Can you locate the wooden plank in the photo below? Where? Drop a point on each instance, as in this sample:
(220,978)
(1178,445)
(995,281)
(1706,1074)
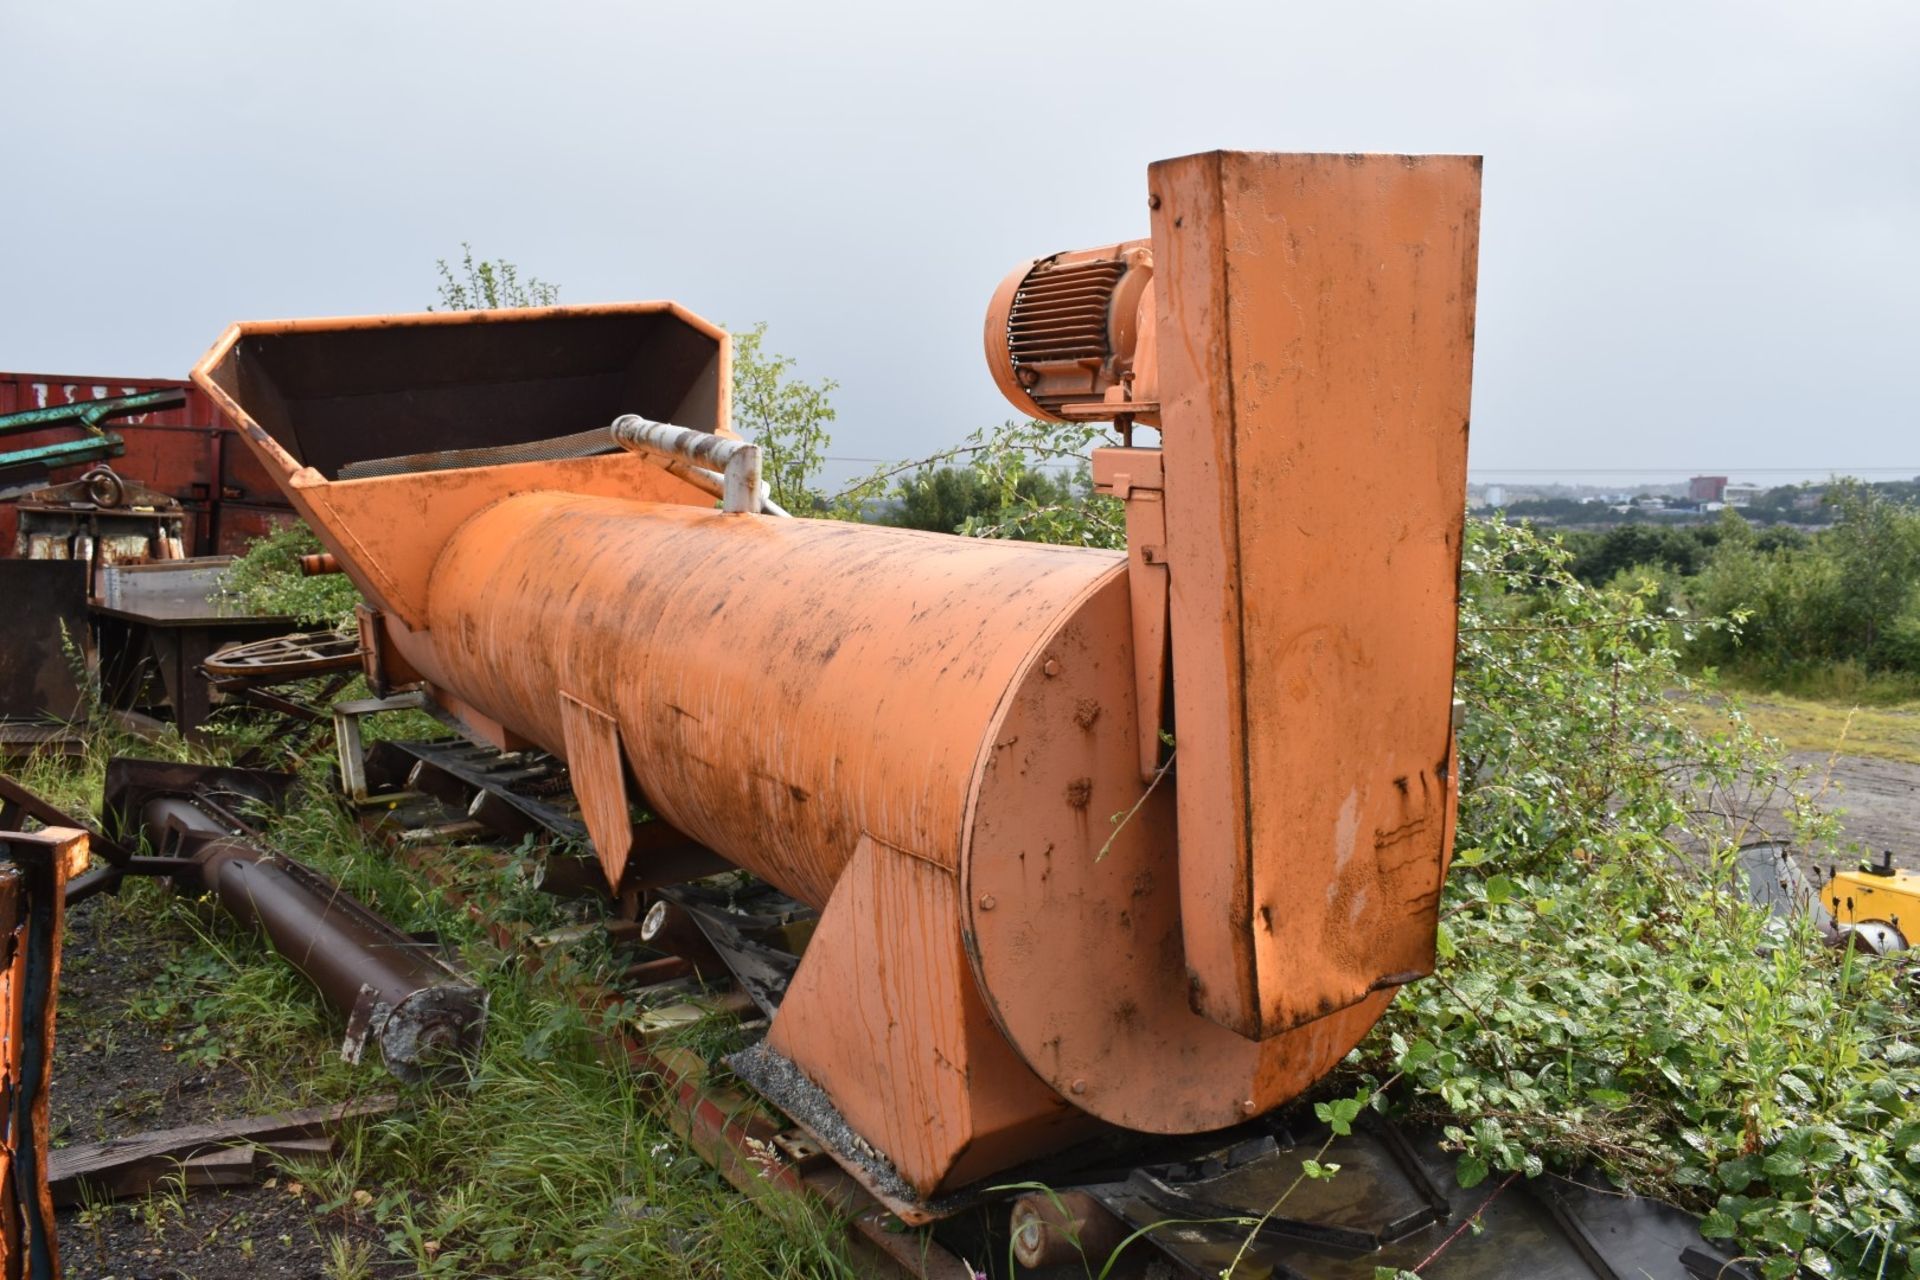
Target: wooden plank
(230,1167)
(134,1165)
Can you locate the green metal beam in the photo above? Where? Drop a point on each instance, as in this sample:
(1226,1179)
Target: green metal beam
(91,413)
(66,453)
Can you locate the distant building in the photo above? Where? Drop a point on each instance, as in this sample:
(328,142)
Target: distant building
(1496,495)
(1707,489)
(1741,495)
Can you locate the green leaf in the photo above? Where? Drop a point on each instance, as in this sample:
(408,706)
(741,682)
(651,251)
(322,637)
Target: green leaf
(1718,1226)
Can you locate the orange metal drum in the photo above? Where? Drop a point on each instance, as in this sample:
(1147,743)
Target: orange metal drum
(1036,914)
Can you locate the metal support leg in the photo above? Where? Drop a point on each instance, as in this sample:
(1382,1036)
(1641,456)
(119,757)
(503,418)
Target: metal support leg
(350,747)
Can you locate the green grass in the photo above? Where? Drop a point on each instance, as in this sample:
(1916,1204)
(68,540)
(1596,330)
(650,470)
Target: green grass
(546,1160)
(1847,683)
(1829,727)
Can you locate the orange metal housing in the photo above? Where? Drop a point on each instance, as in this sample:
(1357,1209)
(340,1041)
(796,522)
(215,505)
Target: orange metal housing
(932,738)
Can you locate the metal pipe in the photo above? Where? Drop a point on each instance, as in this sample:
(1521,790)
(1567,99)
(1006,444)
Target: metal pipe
(1069,1228)
(669,928)
(738,461)
(714,483)
(394,990)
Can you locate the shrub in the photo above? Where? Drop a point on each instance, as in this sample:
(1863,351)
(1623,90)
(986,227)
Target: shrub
(267,579)
(1606,995)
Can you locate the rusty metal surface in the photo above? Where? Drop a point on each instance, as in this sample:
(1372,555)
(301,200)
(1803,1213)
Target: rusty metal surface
(18,805)
(176,593)
(583,444)
(22,740)
(288,657)
(928,737)
(1396,1208)
(46,604)
(1108,1025)
(189,453)
(398,995)
(33,872)
(35,462)
(836,726)
(1316,347)
(314,396)
(533,784)
(328,393)
(100,519)
(155,624)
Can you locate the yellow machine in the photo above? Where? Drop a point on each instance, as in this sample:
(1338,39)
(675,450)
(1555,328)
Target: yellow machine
(1874,908)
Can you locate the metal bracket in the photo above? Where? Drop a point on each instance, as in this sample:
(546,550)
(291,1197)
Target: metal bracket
(347,741)
(1134,476)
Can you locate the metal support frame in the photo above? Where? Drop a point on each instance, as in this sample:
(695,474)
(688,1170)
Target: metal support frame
(348,746)
(33,875)
(88,415)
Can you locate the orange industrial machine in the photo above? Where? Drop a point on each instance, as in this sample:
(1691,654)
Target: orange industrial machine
(1143,840)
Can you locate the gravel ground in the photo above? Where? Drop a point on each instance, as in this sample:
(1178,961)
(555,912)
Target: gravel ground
(117,1074)
(1877,802)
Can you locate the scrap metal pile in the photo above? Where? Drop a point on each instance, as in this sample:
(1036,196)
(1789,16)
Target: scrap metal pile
(1066,865)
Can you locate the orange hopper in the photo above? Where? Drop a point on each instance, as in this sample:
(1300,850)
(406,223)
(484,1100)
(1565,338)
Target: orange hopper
(933,739)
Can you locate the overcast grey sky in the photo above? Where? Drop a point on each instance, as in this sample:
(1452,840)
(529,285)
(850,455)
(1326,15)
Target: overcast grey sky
(1700,243)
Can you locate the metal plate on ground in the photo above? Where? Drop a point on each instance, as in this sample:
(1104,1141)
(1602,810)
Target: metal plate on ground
(533,782)
(46,607)
(1395,1204)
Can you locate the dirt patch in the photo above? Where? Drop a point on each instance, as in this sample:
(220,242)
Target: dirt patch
(116,1072)
(1876,800)
(125,1062)
(272,1232)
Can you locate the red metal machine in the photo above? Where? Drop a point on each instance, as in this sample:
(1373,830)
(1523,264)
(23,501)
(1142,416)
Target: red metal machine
(1143,840)
(177,445)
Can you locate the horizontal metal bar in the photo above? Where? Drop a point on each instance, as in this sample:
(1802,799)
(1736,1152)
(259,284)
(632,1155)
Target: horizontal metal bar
(91,413)
(741,490)
(84,449)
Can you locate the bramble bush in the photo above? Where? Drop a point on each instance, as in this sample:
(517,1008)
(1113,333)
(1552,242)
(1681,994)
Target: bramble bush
(267,580)
(1607,998)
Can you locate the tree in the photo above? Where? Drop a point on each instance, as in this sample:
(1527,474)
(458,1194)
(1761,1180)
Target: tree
(1848,597)
(1876,544)
(1002,482)
(953,499)
(488,285)
(786,416)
